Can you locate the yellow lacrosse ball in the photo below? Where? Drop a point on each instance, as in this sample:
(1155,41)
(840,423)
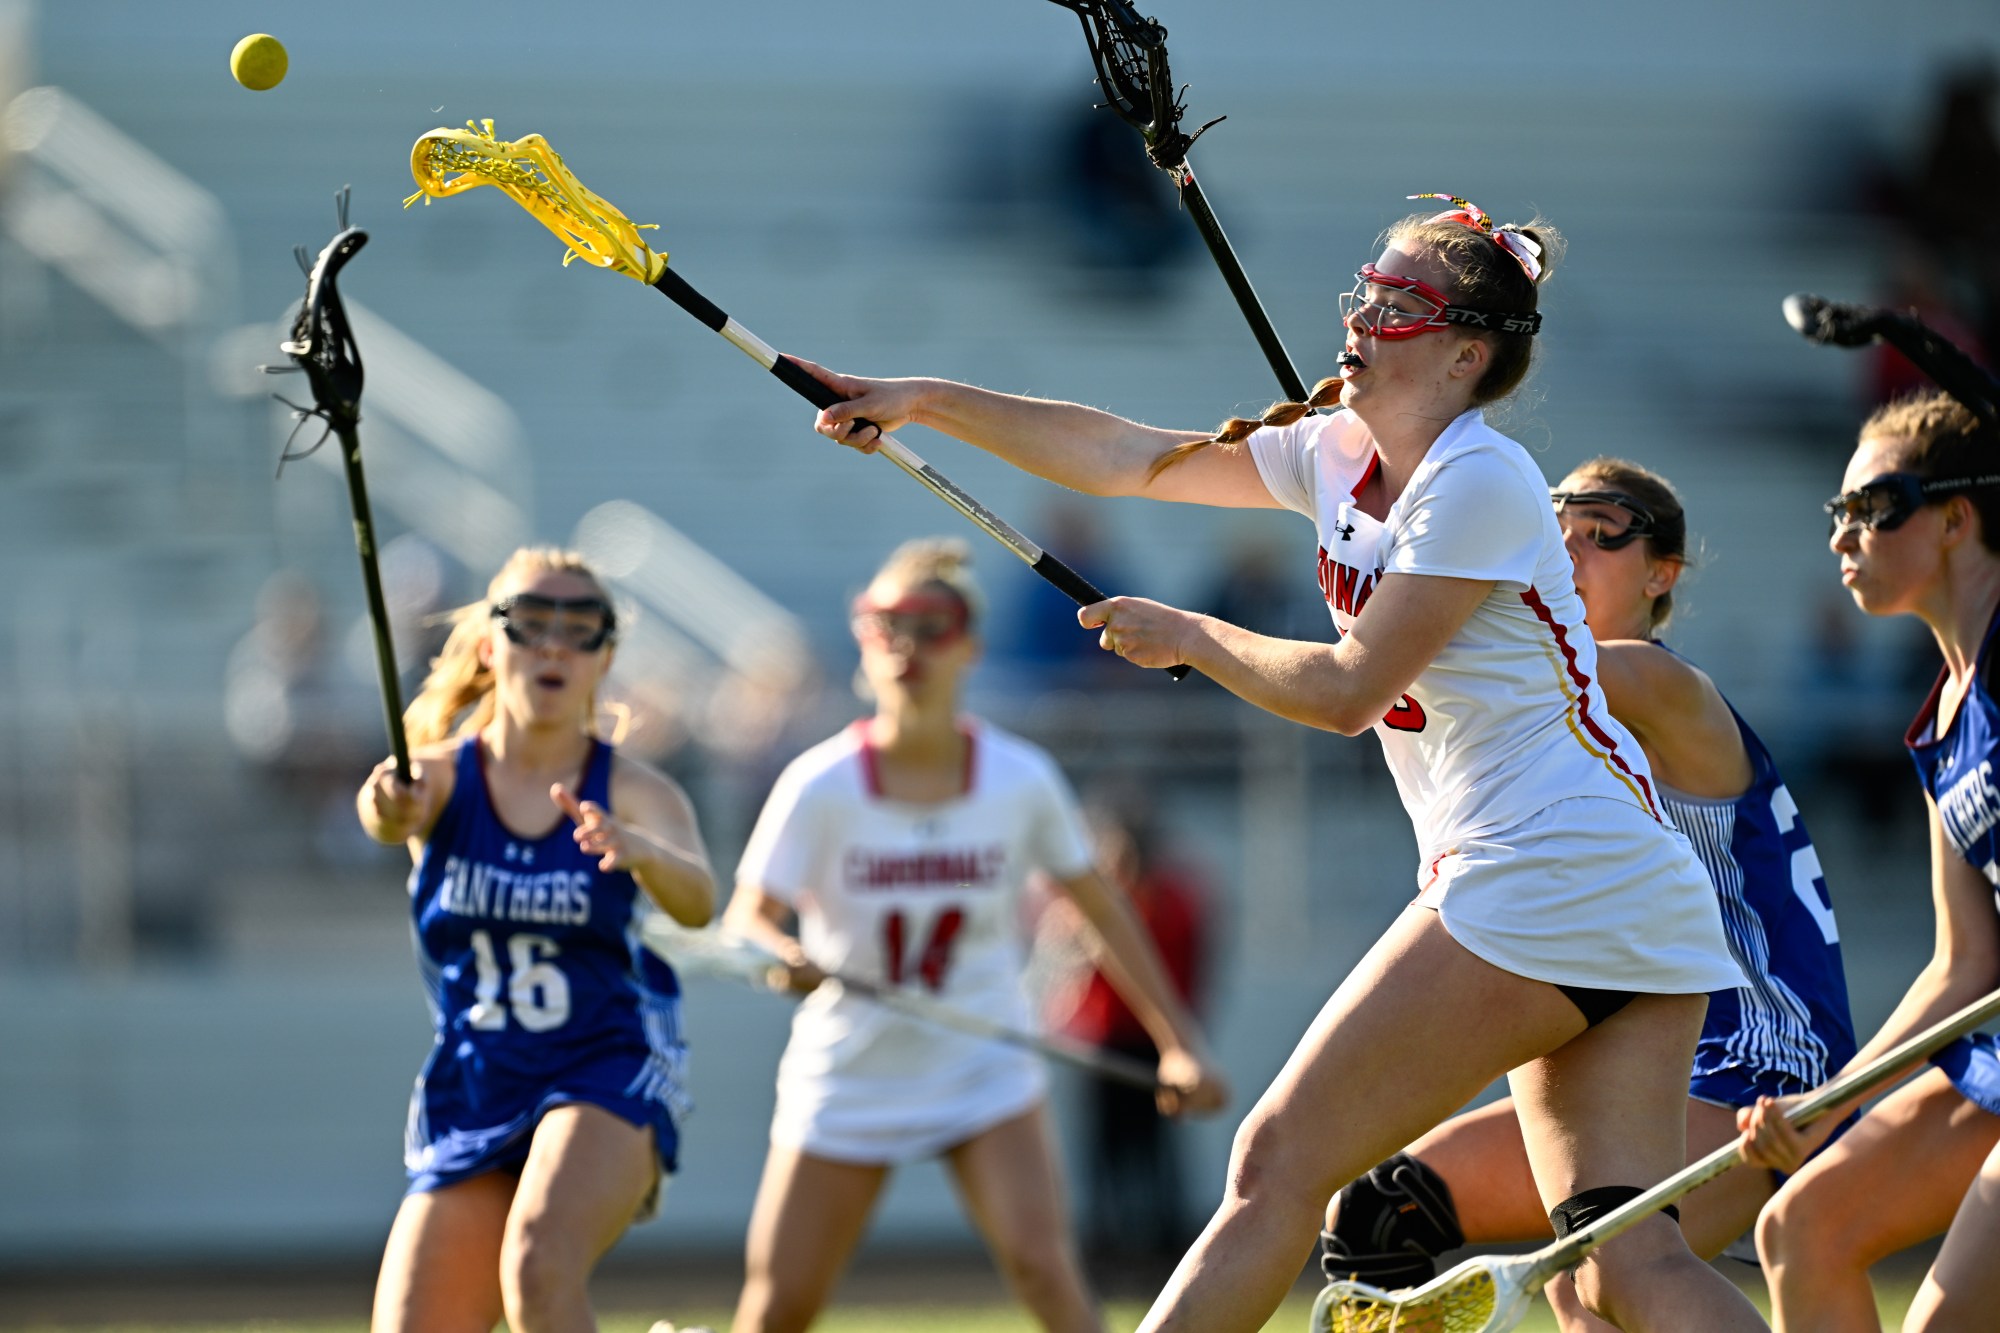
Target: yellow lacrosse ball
(259,61)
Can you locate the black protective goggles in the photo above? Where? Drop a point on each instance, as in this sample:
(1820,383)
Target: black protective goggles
(529,620)
(1605,536)
(1888,501)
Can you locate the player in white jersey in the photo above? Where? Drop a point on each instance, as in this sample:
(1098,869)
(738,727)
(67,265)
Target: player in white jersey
(902,846)
(1468,1181)
(1564,934)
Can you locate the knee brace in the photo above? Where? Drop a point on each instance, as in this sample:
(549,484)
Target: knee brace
(1580,1210)
(1392,1225)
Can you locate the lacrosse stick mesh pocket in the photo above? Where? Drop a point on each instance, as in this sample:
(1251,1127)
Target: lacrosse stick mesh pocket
(532,174)
(1464,1306)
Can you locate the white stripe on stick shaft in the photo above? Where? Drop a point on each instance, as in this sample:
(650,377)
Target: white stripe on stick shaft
(764,354)
(945,489)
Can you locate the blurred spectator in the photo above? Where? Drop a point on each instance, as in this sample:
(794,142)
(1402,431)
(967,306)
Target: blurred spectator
(1919,286)
(1120,208)
(293,707)
(1946,207)
(1039,635)
(1135,1206)
(286,703)
(1953,204)
(1258,592)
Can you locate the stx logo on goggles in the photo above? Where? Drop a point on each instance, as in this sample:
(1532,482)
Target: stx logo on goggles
(1493,319)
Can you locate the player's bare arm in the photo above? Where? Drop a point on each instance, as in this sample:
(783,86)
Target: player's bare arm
(653,838)
(393,811)
(758,917)
(1080,447)
(1964,965)
(1671,705)
(1344,687)
(1192,1082)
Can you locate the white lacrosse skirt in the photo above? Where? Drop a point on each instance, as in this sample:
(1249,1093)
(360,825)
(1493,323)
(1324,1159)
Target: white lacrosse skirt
(1587,892)
(847,1120)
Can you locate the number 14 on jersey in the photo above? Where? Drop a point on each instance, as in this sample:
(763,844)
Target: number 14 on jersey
(932,960)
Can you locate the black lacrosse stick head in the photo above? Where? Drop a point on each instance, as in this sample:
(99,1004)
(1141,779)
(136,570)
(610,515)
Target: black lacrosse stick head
(1130,52)
(322,341)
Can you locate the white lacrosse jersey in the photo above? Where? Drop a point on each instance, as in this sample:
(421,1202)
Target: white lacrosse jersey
(1503,747)
(923,896)
(1509,717)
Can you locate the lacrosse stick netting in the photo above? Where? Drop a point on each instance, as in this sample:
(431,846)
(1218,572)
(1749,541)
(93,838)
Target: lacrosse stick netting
(322,345)
(532,174)
(1130,53)
(447,162)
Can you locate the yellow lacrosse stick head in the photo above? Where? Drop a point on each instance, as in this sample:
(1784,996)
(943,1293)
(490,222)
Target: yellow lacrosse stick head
(532,174)
(1465,1302)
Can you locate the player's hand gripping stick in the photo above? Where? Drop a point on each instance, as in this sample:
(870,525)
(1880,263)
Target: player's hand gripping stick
(1491,1293)
(720,953)
(447,162)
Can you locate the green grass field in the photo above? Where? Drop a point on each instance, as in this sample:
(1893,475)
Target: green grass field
(1121,1318)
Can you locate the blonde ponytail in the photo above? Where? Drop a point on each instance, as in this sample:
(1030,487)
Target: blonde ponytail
(944,561)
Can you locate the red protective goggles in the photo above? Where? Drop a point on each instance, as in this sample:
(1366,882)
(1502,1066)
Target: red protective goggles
(1406,307)
(928,620)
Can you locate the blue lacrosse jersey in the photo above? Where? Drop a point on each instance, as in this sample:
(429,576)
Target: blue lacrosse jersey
(541,992)
(1789,1028)
(1957,769)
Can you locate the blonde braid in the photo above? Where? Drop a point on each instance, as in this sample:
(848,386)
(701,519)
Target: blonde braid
(457,680)
(1324,394)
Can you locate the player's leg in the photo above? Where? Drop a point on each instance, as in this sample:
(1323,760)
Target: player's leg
(1892,1180)
(1465,1182)
(440,1269)
(1608,1110)
(1962,1290)
(1711,1218)
(1415,1031)
(586,1175)
(1008,1178)
(809,1216)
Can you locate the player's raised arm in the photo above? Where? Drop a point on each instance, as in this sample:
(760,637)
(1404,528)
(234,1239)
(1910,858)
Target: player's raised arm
(1083,448)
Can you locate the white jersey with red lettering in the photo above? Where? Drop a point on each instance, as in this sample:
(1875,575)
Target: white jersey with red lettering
(1507,728)
(918,895)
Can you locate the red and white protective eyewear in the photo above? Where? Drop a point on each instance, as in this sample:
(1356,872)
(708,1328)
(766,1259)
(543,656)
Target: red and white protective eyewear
(928,620)
(1406,307)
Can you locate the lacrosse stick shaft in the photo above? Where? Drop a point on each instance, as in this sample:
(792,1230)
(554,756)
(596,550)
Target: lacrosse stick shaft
(1829,322)
(1952,370)
(1070,583)
(1225,258)
(1884,1069)
(744,959)
(1105,1064)
(378,607)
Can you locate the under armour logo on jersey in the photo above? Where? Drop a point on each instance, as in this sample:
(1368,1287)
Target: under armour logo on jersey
(1346,531)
